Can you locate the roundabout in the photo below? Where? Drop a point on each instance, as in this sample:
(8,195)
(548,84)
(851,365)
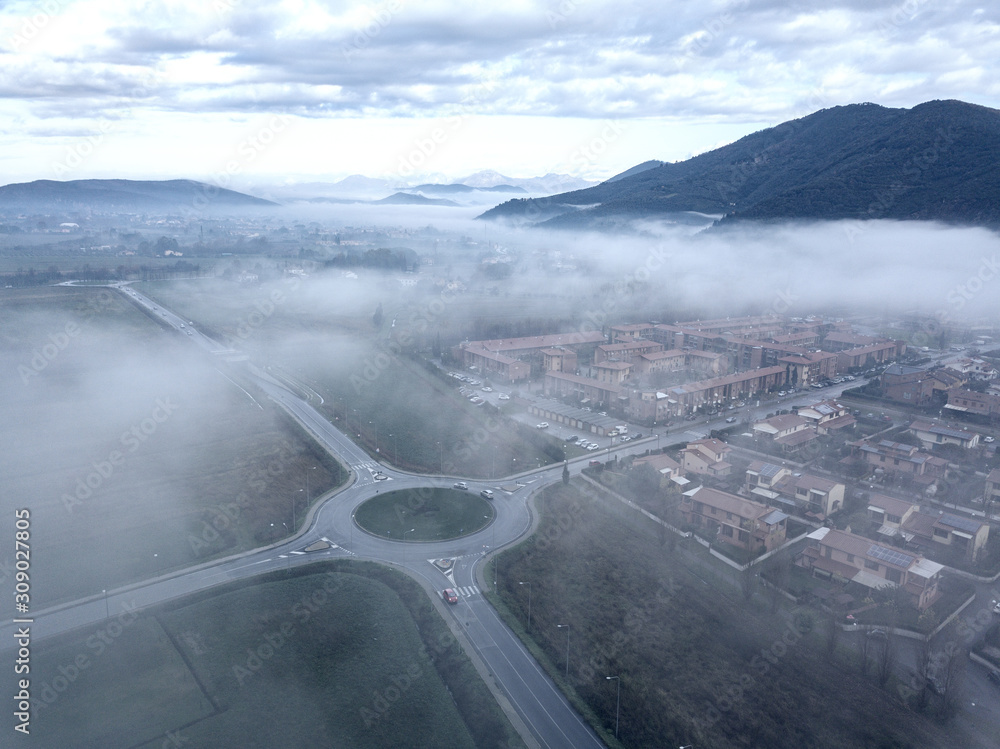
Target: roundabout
(425,514)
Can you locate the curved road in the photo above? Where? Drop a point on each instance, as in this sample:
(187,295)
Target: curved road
(331,532)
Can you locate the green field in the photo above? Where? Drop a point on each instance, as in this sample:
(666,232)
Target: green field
(343,654)
(424,514)
(698,664)
(133,451)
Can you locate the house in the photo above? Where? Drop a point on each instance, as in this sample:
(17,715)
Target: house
(671,473)
(808,367)
(706,457)
(863,357)
(733,520)
(814,496)
(558,359)
(931,433)
(612,372)
(992,493)
(969,401)
(973,368)
(905,384)
(564,383)
(843,556)
(786,431)
(934,530)
(625,351)
(897,458)
(717,390)
(827,416)
(672,360)
(648,406)
(890,513)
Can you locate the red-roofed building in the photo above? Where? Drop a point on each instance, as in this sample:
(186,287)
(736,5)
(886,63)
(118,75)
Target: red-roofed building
(734,520)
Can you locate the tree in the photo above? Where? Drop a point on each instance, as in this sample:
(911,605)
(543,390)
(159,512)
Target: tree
(565,473)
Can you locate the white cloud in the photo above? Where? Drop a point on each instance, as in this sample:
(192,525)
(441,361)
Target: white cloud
(679,64)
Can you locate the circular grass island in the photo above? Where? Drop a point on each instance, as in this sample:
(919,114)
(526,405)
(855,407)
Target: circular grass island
(427,514)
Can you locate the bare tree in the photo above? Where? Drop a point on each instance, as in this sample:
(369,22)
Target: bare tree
(951,675)
(886,658)
(832,634)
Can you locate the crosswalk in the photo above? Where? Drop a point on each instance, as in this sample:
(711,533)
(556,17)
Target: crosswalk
(374,471)
(467,592)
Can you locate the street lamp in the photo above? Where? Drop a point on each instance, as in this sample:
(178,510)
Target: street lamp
(409,531)
(567,628)
(375,427)
(529,602)
(442,456)
(618,699)
(107,610)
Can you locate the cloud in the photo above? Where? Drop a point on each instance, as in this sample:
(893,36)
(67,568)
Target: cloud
(738,61)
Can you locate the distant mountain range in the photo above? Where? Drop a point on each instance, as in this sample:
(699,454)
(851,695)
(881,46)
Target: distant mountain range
(123,195)
(936,161)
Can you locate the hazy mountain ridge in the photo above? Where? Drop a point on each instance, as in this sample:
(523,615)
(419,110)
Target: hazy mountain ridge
(932,162)
(123,195)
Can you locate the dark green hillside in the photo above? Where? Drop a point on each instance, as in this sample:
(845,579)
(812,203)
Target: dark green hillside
(935,161)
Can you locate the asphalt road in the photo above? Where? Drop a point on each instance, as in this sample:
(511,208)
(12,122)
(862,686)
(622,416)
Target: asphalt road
(535,698)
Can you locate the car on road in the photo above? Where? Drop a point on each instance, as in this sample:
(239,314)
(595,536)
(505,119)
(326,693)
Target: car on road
(459,485)
(504,397)
(486,389)
(594,463)
(543,425)
(449,595)
(731,420)
(486,494)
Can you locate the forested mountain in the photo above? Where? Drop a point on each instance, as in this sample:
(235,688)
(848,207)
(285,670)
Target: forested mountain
(936,161)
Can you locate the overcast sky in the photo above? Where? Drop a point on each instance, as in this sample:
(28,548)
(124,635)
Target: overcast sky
(247,91)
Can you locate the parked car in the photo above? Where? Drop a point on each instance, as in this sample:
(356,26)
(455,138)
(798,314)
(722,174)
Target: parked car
(449,595)
(486,389)
(574,438)
(594,463)
(592,447)
(459,485)
(504,397)
(731,420)
(543,425)
(989,440)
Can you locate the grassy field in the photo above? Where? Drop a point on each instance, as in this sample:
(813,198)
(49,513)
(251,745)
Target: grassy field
(133,451)
(343,654)
(431,514)
(698,664)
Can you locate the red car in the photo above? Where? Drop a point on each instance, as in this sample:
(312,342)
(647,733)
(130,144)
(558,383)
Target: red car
(450,596)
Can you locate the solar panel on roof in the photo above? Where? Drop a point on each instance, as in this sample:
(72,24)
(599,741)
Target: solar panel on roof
(963,524)
(769,470)
(890,556)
